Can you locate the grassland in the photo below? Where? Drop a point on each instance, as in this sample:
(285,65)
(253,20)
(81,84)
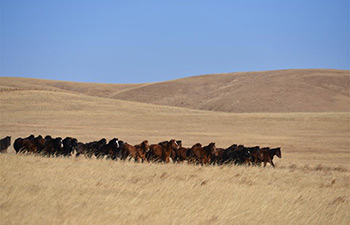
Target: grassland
(309,186)
(303,90)
(305,138)
(36,190)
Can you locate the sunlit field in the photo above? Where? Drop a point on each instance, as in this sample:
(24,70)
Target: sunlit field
(37,190)
(310,184)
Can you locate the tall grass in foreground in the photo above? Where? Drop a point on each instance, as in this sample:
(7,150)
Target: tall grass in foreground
(38,190)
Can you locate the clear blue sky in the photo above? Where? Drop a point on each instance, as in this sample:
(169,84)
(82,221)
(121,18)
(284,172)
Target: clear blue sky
(146,41)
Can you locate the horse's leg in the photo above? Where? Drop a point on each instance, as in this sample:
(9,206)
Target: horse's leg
(258,162)
(123,155)
(189,160)
(136,157)
(273,165)
(265,163)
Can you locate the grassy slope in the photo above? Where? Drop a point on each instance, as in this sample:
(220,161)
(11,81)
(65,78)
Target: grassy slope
(93,89)
(313,90)
(302,136)
(267,91)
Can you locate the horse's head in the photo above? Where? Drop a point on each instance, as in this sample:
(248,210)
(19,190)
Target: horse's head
(278,152)
(74,143)
(145,146)
(103,141)
(120,144)
(173,144)
(179,143)
(114,142)
(213,150)
(48,137)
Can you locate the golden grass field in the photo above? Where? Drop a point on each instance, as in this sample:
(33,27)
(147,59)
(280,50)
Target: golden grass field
(309,186)
(37,190)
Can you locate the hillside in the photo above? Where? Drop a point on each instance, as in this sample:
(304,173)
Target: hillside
(313,90)
(270,91)
(310,184)
(91,118)
(92,89)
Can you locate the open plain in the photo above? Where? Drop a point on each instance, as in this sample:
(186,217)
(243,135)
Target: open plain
(305,112)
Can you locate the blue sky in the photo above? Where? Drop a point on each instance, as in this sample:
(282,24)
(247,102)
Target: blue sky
(147,41)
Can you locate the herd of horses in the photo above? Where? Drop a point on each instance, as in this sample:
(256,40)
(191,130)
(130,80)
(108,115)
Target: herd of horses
(143,152)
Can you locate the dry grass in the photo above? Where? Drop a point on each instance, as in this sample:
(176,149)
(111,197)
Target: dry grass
(304,90)
(267,91)
(302,136)
(37,190)
(309,186)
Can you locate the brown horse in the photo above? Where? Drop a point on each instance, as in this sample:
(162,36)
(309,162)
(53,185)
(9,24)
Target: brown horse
(19,145)
(181,154)
(202,155)
(40,143)
(138,152)
(162,151)
(267,155)
(27,145)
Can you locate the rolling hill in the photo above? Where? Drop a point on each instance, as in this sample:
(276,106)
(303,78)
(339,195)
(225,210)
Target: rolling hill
(304,90)
(310,183)
(90,111)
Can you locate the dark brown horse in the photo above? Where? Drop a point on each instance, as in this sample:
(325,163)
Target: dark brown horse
(112,149)
(5,143)
(20,146)
(219,159)
(237,154)
(268,154)
(39,141)
(138,152)
(181,154)
(27,145)
(202,155)
(256,155)
(52,146)
(69,146)
(81,149)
